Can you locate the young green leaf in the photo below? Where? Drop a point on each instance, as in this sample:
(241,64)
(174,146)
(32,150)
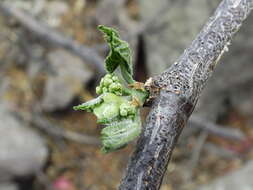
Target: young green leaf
(120,54)
(110,108)
(118,134)
(90,105)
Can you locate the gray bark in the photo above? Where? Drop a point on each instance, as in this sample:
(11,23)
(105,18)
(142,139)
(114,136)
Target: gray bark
(184,19)
(179,89)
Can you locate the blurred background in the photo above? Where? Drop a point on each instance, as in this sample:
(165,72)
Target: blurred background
(51,58)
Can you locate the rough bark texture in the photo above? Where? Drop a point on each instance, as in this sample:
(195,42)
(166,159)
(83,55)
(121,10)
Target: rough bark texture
(231,82)
(180,87)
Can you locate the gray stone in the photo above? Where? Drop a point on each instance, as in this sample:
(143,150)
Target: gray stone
(22,151)
(108,12)
(240,179)
(53,12)
(8,186)
(68,75)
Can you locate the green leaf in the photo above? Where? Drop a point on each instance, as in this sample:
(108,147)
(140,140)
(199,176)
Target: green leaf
(118,134)
(106,112)
(90,105)
(109,109)
(120,54)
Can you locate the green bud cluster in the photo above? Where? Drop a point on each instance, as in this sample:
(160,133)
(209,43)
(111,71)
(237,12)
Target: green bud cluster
(110,83)
(126,109)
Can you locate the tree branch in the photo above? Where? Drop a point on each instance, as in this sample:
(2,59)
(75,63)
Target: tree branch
(40,30)
(42,123)
(179,88)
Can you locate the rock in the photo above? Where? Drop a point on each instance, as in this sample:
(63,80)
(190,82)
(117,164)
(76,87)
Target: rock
(50,12)
(27,5)
(68,76)
(53,12)
(22,151)
(8,186)
(108,12)
(240,179)
(232,79)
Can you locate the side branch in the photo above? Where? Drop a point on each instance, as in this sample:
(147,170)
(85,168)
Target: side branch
(180,87)
(215,129)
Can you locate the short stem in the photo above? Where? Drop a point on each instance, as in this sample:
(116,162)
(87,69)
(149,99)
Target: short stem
(140,95)
(126,91)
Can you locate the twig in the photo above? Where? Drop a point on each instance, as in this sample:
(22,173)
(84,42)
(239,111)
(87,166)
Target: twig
(196,153)
(42,123)
(40,30)
(210,127)
(179,88)
(219,151)
(45,125)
